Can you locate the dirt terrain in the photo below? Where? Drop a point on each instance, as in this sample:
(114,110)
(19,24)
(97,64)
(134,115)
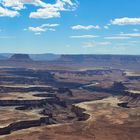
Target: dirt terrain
(107,121)
(66,103)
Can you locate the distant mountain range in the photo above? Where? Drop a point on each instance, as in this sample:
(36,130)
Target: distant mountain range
(76,58)
(69,61)
(97,58)
(2,57)
(36,57)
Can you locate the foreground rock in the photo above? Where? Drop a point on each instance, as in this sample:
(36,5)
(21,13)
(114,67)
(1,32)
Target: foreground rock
(24,125)
(107,121)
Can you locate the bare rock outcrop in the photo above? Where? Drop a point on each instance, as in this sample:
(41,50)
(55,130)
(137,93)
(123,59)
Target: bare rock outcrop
(130,99)
(25,124)
(80,113)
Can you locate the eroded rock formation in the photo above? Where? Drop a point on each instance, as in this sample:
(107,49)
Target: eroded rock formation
(20,57)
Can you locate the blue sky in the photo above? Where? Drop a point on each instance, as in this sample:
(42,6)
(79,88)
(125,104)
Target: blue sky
(70,26)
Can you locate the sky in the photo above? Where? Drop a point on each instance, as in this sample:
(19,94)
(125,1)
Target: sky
(70,26)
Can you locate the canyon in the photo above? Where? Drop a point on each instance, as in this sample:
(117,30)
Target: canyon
(64,99)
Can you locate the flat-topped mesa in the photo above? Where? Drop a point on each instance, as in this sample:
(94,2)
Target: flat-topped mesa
(20,57)
(100,58)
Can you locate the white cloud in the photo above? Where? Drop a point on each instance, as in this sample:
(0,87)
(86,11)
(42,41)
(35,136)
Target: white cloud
(45,10)
(49,25)
(95,44)
(14,4)
(123,36)
(130,34)
(20,4)
(84,36)
(53,10)
(37,29)
(106,27)
(116,38)
(45,14)
(42,28)
(7,13)
(81,27)
(126,21)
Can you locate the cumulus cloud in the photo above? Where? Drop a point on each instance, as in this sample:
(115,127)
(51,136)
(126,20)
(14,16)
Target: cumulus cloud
(126,21)
(53,10)
(84,36)
(81,27)
(7,13)
(14,4)
(45,14)
(45,10)
(20,4)
(44,27)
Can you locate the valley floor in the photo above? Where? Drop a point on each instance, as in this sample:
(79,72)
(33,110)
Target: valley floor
(107,122)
